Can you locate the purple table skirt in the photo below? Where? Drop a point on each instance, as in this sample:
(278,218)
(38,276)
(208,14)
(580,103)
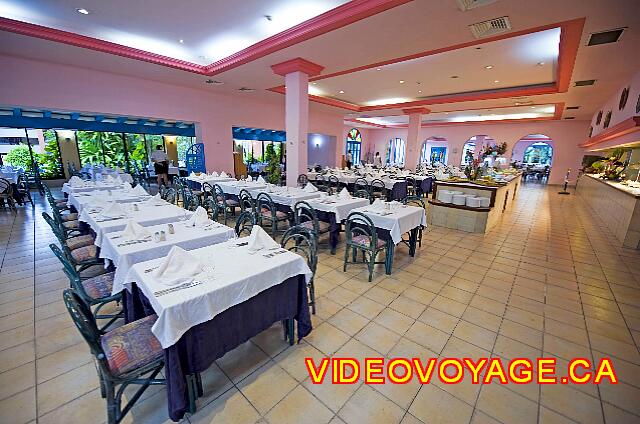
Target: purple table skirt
(199,347)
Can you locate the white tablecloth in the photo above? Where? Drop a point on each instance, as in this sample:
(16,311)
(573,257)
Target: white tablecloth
(228,285)
(89,186)
(400,221)
(81,200)
(189,238)
(209,179)
(350,179)
(12,176)
(289,197)
(147,216)
(234,187)
(339,206)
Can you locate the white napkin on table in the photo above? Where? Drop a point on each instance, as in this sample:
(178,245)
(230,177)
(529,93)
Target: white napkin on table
(214,174)
(179,266)
(344,193)
(310,188)
(139,190)
(126,186)
(155,200)
(75,181)
(223,174)
(199,218)
(135,231)
(259,239)
(113,210)
(261,180)
(377,205)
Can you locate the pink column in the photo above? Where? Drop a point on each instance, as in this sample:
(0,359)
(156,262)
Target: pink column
(412,154)
(296,74)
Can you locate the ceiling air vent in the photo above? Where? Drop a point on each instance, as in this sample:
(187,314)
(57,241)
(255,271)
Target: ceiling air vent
(584,83)
(465,5)
(573,107)
(605,37)
(490,27)
(570,117)
(246,89)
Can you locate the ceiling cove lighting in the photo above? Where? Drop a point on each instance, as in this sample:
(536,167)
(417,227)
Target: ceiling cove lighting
(83,11)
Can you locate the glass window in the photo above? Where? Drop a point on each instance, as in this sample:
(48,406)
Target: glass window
(538,153)
(113,149)
(153,141)
(137,151)
(183,144)
(467,152)
(89,148)
(354,144)
(49,160)
(395,153)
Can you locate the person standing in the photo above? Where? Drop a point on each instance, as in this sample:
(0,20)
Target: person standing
(161,165)
(349,159)
(377,160)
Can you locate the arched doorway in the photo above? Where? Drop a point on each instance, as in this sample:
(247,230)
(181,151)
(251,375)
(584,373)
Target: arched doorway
(533,154)
(434,150)
(473,145)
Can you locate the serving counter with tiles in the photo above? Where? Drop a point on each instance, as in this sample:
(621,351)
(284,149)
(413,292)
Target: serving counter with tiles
(617,205)
(468,218)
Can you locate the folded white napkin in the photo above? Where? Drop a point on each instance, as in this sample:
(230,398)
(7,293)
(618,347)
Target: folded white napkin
(310,188)
(139,190)
(126,186)
(113,210)
(155,200)
(259,239)
(135,231)
(261,180)
(199,218)
(75,181)
(344,193)
(223,174)
(377,205)
(192,175)
(179,266)
(214,174)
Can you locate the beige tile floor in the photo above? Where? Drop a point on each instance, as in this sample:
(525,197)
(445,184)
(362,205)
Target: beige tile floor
(549,280)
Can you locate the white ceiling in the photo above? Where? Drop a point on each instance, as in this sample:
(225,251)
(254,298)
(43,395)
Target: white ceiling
(414,27)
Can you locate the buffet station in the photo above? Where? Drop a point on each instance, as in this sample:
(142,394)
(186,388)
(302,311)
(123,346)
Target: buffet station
(473,206)
(611,188)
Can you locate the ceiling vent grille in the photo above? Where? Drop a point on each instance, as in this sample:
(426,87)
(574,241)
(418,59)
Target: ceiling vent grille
(465,5)
(584,83)
(490,27)
(246,89)
(572,107)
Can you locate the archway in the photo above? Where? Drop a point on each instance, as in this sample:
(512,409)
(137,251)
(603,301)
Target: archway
(533,154)
(473,145)
(434,150)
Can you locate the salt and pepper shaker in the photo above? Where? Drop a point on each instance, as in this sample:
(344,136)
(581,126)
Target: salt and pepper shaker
(156,237)
(135,207)
(170,229)
(163,236)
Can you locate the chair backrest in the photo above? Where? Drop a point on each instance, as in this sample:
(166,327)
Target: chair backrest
(219,193)
(68,268)
(377,187)
(302,241)
(169,195)
(264,201)
(304,212)
(360,184)
(5,188)
(212,207)
(207,190)
(85,322)
(414,201)
(321,182)
(364,194)
(246,201)
(411,182)
(359,224)
(191,203)
(244,224)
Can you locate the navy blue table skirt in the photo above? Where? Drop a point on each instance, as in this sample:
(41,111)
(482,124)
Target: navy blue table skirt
(201,345)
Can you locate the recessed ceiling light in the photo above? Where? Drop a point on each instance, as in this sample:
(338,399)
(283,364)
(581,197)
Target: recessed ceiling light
(540,63)
(533,107)
(488,67)
(181,41)
(83,11)
(314,83)
(454,76)
(401,81)
(496,81)
(378,69)
(341,91)
(478,48)
(419,91)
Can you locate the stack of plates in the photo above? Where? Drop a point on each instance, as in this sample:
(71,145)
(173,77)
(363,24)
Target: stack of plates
(459,199)
(473,202)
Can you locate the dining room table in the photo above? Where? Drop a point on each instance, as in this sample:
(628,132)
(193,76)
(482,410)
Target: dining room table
(195,181)
(124,252)
(394,220)
(88,186)
(220,308)
(80,200)
(396,188)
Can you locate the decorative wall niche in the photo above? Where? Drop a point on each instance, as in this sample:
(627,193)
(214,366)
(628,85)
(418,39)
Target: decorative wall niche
(607,120)
(624,96)
(599,118)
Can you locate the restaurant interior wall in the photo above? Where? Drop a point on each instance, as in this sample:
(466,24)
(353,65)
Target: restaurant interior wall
(78,89)
(321,150)
(566,135)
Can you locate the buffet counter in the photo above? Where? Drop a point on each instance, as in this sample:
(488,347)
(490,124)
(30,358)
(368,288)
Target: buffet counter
(616,204)
(468,218)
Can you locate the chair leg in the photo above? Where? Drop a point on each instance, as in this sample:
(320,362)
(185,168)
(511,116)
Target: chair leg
(346,259)
(371,264)
(112,408)
(312,297)
(292,331)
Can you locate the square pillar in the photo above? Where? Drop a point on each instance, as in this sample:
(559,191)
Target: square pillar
(412,154)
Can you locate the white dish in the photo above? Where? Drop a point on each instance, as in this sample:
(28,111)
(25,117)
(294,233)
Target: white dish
(459,199)
(484,202)
(473,202)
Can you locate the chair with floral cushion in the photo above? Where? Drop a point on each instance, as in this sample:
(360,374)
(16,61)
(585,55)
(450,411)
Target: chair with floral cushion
(302,241)
(6,195)
(127,355)
(362,236)
(227,205)
(60,204)
(244,224)
(267,211)
(72,243)
(94,291)
(213,210)
(191,202)
(82,257)
(305,216)
(363,194)
(169,195)
(361,184)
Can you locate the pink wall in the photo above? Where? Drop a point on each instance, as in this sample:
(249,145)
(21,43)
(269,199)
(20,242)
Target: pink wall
(37,84)
(565,134)
(321,150)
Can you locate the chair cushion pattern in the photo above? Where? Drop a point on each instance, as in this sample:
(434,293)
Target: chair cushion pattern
(322,226)
(99,286)
(365,241)
(61,202)
(80,241)
(85,253)
(279,214)
(71,225)
(70,217)
(131,346)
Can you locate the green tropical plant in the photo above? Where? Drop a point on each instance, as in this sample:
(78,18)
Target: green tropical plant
(89,147)
(273,165)
(19,157)
(49,161)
